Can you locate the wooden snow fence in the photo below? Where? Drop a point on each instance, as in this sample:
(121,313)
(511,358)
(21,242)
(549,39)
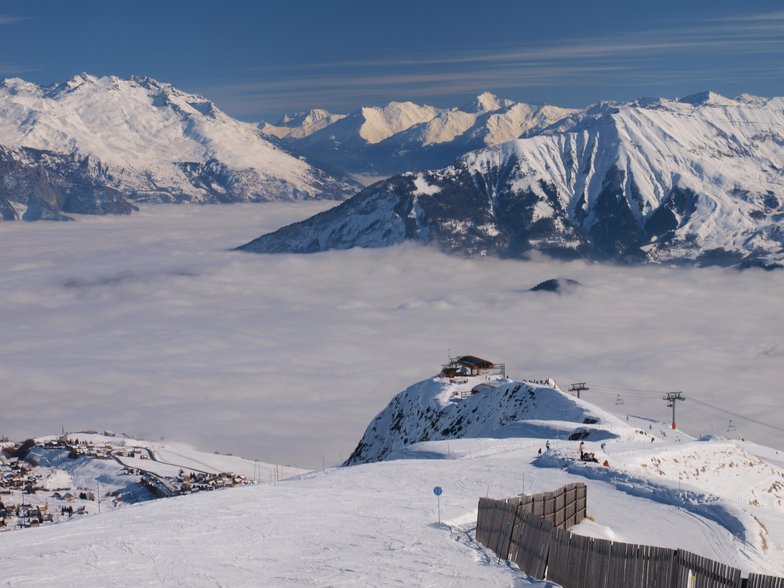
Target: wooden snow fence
(530,543)
(519,528)
(576,561)
(532,532)
(760,581)
(564,507)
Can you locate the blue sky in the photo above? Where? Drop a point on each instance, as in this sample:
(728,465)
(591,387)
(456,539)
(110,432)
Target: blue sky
(257,60)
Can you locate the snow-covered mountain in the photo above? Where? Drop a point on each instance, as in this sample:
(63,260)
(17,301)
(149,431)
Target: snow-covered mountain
(115,140)
(695,180)
(403,136)
(301,124)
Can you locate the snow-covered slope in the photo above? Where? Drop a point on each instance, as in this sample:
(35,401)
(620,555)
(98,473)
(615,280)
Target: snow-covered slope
(735,485)
(402,136)
(377,523)
(481,407)
(76,472)
(694,180)
(150,141)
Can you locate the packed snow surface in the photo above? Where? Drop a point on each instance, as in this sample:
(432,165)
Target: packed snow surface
(377,523)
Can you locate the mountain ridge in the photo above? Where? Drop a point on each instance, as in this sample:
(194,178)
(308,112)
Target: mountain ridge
(149,141)
(660,181)
(402,136)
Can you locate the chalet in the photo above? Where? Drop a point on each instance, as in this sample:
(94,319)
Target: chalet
(470,365)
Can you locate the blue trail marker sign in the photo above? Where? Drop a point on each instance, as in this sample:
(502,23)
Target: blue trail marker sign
(438,491)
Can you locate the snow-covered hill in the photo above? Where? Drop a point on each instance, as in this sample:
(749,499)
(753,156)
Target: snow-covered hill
(139,139)
(377,523)
(696,180)
(402,136)
(737,485)
(481,407)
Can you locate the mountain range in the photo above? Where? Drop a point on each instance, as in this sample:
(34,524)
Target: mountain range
(693,180)
(404,136)
(98,144)
(696,180)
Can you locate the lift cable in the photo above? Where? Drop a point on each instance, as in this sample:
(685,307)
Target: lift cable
(648,392)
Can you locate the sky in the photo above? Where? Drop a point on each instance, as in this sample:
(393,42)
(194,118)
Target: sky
(258,60)
(150,325)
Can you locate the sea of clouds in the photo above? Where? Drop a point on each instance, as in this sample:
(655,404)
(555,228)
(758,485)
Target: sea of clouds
(152,326)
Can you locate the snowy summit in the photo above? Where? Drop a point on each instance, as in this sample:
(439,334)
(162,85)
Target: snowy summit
(97,144)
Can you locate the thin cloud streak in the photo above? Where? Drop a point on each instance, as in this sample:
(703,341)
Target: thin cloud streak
(707,36)
(591,61)
(9,20)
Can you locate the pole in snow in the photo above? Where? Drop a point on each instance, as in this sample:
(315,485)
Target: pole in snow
(438,491)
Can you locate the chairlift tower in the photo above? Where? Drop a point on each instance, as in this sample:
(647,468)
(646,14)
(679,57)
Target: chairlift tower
(579,387)
(672,398)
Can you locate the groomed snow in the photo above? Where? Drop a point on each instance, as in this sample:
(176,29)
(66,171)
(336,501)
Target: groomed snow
(369,525)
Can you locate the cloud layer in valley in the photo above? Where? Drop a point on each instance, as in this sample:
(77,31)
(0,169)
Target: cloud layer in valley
(150,325)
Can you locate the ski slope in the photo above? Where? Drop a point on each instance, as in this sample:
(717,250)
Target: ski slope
(376,524)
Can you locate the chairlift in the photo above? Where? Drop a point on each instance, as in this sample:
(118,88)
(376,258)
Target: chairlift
(731,426)
(619,400)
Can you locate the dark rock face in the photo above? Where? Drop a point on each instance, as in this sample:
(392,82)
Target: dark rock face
(43,185)
(616,233)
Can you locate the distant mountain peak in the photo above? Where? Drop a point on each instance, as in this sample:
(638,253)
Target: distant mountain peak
(82,78)
(705,97)
(311,116)
(486,102)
